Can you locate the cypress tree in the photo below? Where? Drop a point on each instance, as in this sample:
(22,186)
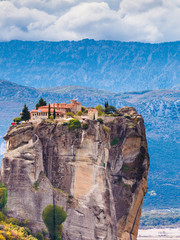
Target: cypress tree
(54,113)
(106,105)
(25,113)
(49,111)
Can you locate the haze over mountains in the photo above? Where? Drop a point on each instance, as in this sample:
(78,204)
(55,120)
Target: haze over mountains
(93,72)
(108,65)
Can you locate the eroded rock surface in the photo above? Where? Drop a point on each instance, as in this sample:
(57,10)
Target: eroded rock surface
(104,168)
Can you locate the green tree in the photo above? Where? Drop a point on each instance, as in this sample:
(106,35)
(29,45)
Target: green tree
(41,102)
(54,113)
(111,109)
(69,114)
(84,109)
(25,113)
(100,110)
(53,216)
(49,111)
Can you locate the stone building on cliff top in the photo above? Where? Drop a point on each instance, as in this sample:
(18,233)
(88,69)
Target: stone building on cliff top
(60,108)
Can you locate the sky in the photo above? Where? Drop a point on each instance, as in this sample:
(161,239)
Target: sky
(122,20)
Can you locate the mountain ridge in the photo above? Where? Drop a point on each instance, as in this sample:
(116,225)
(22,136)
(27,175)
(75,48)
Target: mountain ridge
(108,65)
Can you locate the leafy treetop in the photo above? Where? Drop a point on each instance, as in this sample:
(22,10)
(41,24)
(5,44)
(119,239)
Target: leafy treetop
(41,103)
(100,110)
(53,216)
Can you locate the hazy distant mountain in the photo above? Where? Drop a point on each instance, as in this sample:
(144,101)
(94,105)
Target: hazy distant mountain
(109,65)
(161,112)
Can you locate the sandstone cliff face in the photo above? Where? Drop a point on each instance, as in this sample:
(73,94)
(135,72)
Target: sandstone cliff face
(104,168)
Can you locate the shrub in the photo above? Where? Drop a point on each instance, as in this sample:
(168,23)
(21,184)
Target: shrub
(74,124)
(3,196)
(65,124)
(69,114)
(2,237)
(106,129)
(79,113)
(69,201)
(114,141)
(100,120)
(125,168)
(131,125)
(51,117)
(118,180)
(53,217)
(127,116)
(44,233)
(17,120)
(2,217)
(13,221)
(36,185)
(135,120)
(70,196)
(127,186)
(24,223)
(39,236)
(85,126)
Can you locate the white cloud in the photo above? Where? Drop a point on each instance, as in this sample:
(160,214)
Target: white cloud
(125,20)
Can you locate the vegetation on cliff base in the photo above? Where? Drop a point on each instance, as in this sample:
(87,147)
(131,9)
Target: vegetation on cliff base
(53,217)
(9,228)
(13,229)
(3,197)
(14,232)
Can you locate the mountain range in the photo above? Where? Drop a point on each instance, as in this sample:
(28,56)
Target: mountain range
(109,65)
(122,73)
(159,108)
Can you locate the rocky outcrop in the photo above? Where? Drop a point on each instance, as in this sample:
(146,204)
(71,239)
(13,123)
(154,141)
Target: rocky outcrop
(99,175)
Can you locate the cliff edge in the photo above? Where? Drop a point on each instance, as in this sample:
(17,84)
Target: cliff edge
(98,174)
